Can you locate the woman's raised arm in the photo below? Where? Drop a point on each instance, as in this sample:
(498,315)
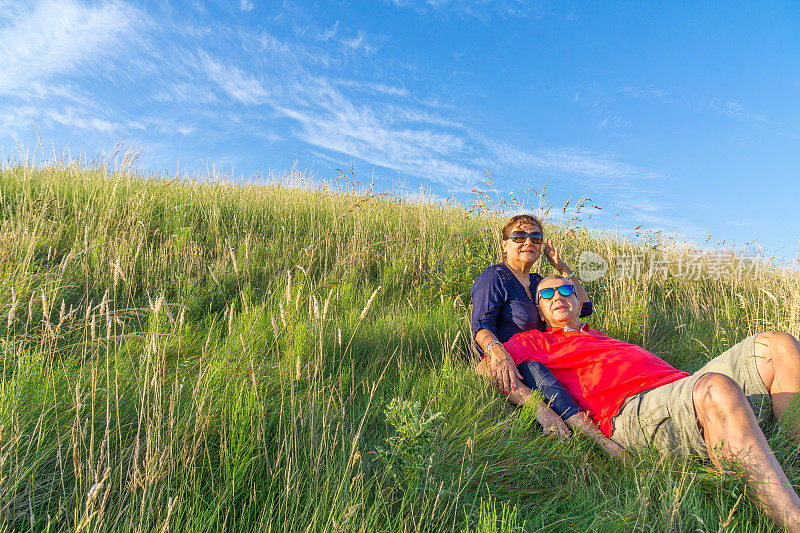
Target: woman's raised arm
(554,257)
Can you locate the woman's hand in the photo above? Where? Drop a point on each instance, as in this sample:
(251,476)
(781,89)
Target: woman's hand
(503,369)
(552,254)
(551,423)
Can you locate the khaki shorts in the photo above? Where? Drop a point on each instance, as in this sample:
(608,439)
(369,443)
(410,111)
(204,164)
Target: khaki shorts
(664,417)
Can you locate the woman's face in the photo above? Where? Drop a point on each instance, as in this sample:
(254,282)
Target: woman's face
(525,252)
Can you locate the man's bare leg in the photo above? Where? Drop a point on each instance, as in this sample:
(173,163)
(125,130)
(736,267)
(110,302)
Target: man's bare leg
(731,433)
(778,362)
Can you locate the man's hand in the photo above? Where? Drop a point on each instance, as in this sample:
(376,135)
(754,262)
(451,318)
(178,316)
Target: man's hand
(551,423)
(502,369)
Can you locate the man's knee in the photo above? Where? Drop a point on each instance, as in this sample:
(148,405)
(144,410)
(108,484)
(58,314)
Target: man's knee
(776,353)
(717,393)
(778,341)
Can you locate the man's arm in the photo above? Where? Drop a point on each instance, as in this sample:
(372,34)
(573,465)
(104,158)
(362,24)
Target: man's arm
(520,393)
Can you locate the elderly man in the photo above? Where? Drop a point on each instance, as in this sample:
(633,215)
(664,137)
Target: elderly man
(638,399)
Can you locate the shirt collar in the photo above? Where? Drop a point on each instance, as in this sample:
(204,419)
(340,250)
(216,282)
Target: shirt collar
(567,329)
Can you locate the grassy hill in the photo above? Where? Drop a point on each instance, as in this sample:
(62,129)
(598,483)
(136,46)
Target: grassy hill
(195,356)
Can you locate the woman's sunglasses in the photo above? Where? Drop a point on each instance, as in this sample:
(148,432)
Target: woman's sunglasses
(520,236)
(549,292)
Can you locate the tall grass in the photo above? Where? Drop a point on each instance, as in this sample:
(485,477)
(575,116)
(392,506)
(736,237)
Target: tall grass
(199,355)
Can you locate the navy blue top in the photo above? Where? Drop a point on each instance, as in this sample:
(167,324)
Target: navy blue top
(501,304)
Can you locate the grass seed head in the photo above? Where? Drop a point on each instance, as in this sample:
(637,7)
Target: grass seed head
(45,307)
(327,303)
(369,303)
(104,303)
(159,304)
(283,314)
(274,326)
(12,313)
(233,260)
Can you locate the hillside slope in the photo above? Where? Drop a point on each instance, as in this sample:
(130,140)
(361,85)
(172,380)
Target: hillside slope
(205,356)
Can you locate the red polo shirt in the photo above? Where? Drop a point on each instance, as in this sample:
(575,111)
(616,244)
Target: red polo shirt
(599,372)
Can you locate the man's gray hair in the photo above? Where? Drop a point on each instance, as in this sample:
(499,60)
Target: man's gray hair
(551,277)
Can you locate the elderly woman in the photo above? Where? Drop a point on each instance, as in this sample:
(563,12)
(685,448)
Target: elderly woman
(503,304)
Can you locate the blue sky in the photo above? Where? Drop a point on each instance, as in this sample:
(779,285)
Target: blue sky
(683,117)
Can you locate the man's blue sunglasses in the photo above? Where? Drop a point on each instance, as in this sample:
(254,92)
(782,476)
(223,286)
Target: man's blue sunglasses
(563,290)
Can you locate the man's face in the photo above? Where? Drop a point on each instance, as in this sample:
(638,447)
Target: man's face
(559,310)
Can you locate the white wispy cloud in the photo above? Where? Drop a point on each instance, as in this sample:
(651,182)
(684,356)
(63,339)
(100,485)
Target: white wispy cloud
(183,91)
(370,87)
(246,5)
(642,205)
(574,162)
(612,122)
(90,120)
(328,120)
(645,93)
(653,214)
(481,9)
(388,89)
(53,37)
(424,197)
(235,82)
(387,126)
(737,110)
(75,118)
(382,126)
(359,42)
(330,33)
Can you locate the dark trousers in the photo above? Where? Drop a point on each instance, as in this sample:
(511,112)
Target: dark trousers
(536,376)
